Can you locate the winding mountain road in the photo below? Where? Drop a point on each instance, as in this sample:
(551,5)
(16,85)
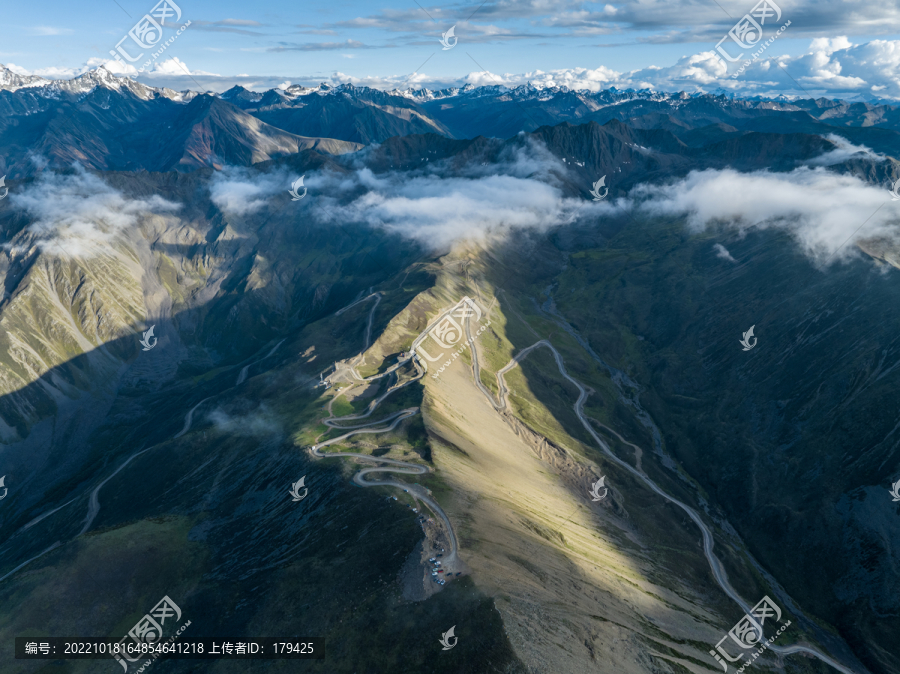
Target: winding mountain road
(714,563)
(390,465)
(242,375)
(406,468)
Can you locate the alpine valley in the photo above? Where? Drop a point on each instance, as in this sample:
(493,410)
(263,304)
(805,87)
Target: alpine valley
(365,334)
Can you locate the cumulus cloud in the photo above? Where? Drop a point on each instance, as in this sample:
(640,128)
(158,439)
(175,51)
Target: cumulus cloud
(78,215)
(825,212)
(175,66)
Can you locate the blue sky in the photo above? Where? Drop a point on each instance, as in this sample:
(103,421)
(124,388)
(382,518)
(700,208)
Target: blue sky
(830,47)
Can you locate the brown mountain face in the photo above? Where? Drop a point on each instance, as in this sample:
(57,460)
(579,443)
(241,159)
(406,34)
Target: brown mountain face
(110,130)
(216,133)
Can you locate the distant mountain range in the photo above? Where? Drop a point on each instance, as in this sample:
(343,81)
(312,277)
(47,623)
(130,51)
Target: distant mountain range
(107,122)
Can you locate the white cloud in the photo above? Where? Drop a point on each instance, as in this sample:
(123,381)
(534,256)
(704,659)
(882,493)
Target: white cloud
(821,209)
(241,191)
(18,70)
(171,66)
(51,30)
(522,192)
(431,205)
(261,422)
(113,66)
(845,150)
(829,45)
(175,66)
(78,215)
(722,252)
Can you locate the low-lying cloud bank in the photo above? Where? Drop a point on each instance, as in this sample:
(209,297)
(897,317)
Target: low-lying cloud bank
(430,206)
(826,212)
(526,191)
(436,211)
(78,215)
(242,191)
